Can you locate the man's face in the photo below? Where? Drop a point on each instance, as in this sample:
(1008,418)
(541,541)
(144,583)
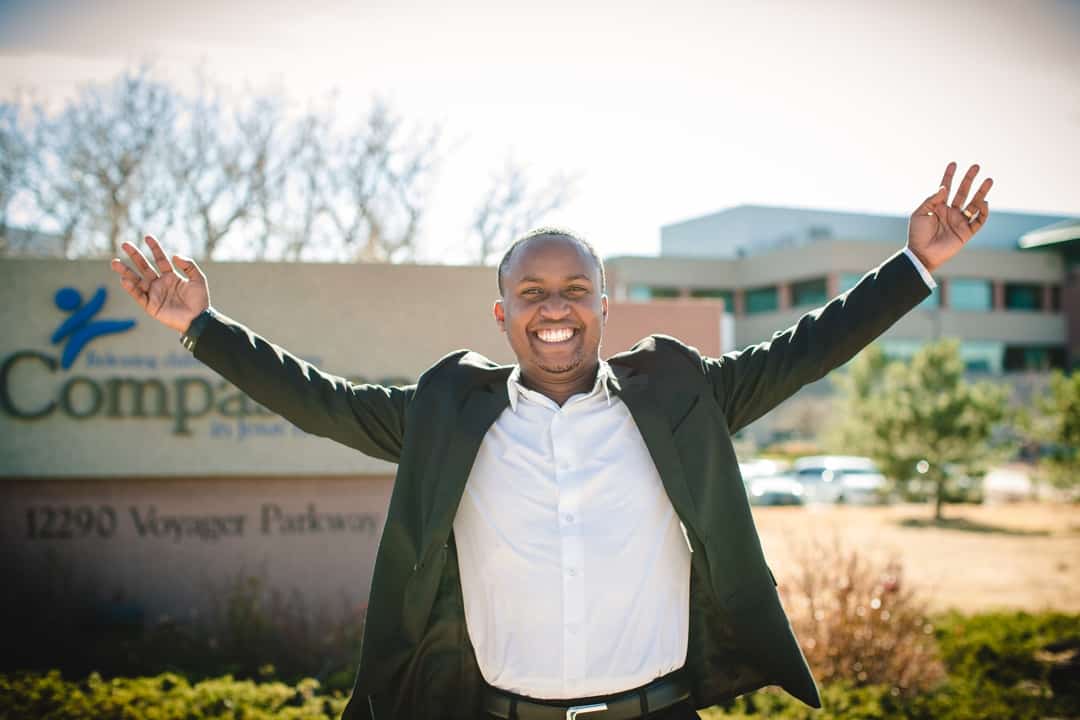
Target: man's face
(552,309)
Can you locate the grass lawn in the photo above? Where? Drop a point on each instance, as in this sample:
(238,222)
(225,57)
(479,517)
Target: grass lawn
(982,557)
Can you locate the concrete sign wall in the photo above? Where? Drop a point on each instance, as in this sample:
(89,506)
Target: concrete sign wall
(91,386)
(174,547)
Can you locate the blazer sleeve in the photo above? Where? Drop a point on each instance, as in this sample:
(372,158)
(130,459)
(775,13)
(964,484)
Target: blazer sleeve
(369,418)
(750,382)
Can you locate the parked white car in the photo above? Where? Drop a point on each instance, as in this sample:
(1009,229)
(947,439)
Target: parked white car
(841,479)
(781,489)
(761,467)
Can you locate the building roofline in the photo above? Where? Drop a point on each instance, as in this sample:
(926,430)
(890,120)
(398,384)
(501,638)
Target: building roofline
(1059,232)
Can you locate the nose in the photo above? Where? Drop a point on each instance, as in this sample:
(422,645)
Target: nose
(555,307)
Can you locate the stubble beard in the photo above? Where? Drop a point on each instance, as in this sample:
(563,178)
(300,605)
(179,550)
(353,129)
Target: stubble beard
(573,364)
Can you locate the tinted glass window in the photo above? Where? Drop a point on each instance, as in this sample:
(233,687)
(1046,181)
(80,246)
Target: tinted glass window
(1023,296)
(1029,357)
(969,294)
(762,300)
(809,292)
(651,292)
(716,294)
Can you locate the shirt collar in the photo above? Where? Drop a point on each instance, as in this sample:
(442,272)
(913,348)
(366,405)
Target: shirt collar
(514,388)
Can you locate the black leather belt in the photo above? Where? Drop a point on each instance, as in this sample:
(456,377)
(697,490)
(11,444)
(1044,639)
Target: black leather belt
(659,694)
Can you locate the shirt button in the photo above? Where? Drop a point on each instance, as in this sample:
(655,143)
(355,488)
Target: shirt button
(571,572)
(568,518)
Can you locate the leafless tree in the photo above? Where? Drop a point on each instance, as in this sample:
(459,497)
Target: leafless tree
(99,173)
(14,161)
(134,154)
(293,207)
(512,205)
(225,162)
(378,184)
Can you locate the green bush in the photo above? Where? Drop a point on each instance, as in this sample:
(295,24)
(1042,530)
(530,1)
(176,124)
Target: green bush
(1015,665)
(164,697)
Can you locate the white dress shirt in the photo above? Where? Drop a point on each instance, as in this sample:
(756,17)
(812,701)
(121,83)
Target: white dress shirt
(575,569)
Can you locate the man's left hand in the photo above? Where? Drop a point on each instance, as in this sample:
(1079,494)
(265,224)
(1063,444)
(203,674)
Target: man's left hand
(937,230)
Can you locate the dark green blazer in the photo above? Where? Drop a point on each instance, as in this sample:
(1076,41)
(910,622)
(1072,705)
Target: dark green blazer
(416,659)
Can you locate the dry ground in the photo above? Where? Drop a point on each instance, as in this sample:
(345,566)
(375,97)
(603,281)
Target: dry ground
(1024,555)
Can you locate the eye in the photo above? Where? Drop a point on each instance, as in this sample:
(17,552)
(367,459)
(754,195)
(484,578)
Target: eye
(532,291)
(577,289)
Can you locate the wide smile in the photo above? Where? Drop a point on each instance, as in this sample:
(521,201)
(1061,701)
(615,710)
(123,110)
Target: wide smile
(555,336)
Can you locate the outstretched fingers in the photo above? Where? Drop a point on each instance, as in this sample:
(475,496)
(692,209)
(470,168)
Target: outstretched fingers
(933,202)
(977,210)
(160,258)
(965,187)
(130,281)
(188,267)
(978,220)
(141,264)
(946,179)
(980,194)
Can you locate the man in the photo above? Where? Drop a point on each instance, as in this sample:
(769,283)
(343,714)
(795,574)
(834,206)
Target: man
(567,536)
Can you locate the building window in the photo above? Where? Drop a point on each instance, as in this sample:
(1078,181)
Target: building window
(982,355)
(1055,298)
(764,299)
(728,296)
(900,349)
(977,355)
(1023,296)
(809,293)
(970,294)
(1034,358)
(643,293)
(849,280)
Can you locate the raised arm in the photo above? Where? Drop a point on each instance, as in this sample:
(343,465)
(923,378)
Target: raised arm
(369,418)
(749,383)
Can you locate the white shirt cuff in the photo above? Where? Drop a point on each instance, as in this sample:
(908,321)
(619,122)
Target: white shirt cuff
(921,268)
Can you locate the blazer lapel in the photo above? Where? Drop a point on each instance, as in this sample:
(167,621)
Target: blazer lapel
(639,395)
(482,406)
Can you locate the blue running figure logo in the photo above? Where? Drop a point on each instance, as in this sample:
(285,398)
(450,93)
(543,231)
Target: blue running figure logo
(79,326)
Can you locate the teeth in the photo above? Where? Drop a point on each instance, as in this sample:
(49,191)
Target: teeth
(554,336)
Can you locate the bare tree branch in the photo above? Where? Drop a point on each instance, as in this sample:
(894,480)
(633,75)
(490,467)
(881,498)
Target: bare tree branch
(378,186)
(134,155)
(224,162)
(512,205)
(99,171)
(14,165)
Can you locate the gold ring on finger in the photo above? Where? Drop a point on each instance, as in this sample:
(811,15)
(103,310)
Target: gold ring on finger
(968,214)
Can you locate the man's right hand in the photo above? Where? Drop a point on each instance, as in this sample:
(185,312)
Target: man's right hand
(162,293)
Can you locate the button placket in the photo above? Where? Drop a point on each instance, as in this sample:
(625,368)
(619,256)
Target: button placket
(568,483)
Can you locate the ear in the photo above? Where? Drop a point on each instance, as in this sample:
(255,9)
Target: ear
(500,315)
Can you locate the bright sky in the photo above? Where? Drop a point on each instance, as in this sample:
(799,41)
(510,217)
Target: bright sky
(668,110)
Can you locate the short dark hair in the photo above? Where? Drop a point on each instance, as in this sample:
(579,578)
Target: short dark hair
(504,264)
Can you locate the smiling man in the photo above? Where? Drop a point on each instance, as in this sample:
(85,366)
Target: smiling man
(552,308)
(567,537)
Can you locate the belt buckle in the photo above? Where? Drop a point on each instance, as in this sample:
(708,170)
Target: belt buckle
(573,712)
